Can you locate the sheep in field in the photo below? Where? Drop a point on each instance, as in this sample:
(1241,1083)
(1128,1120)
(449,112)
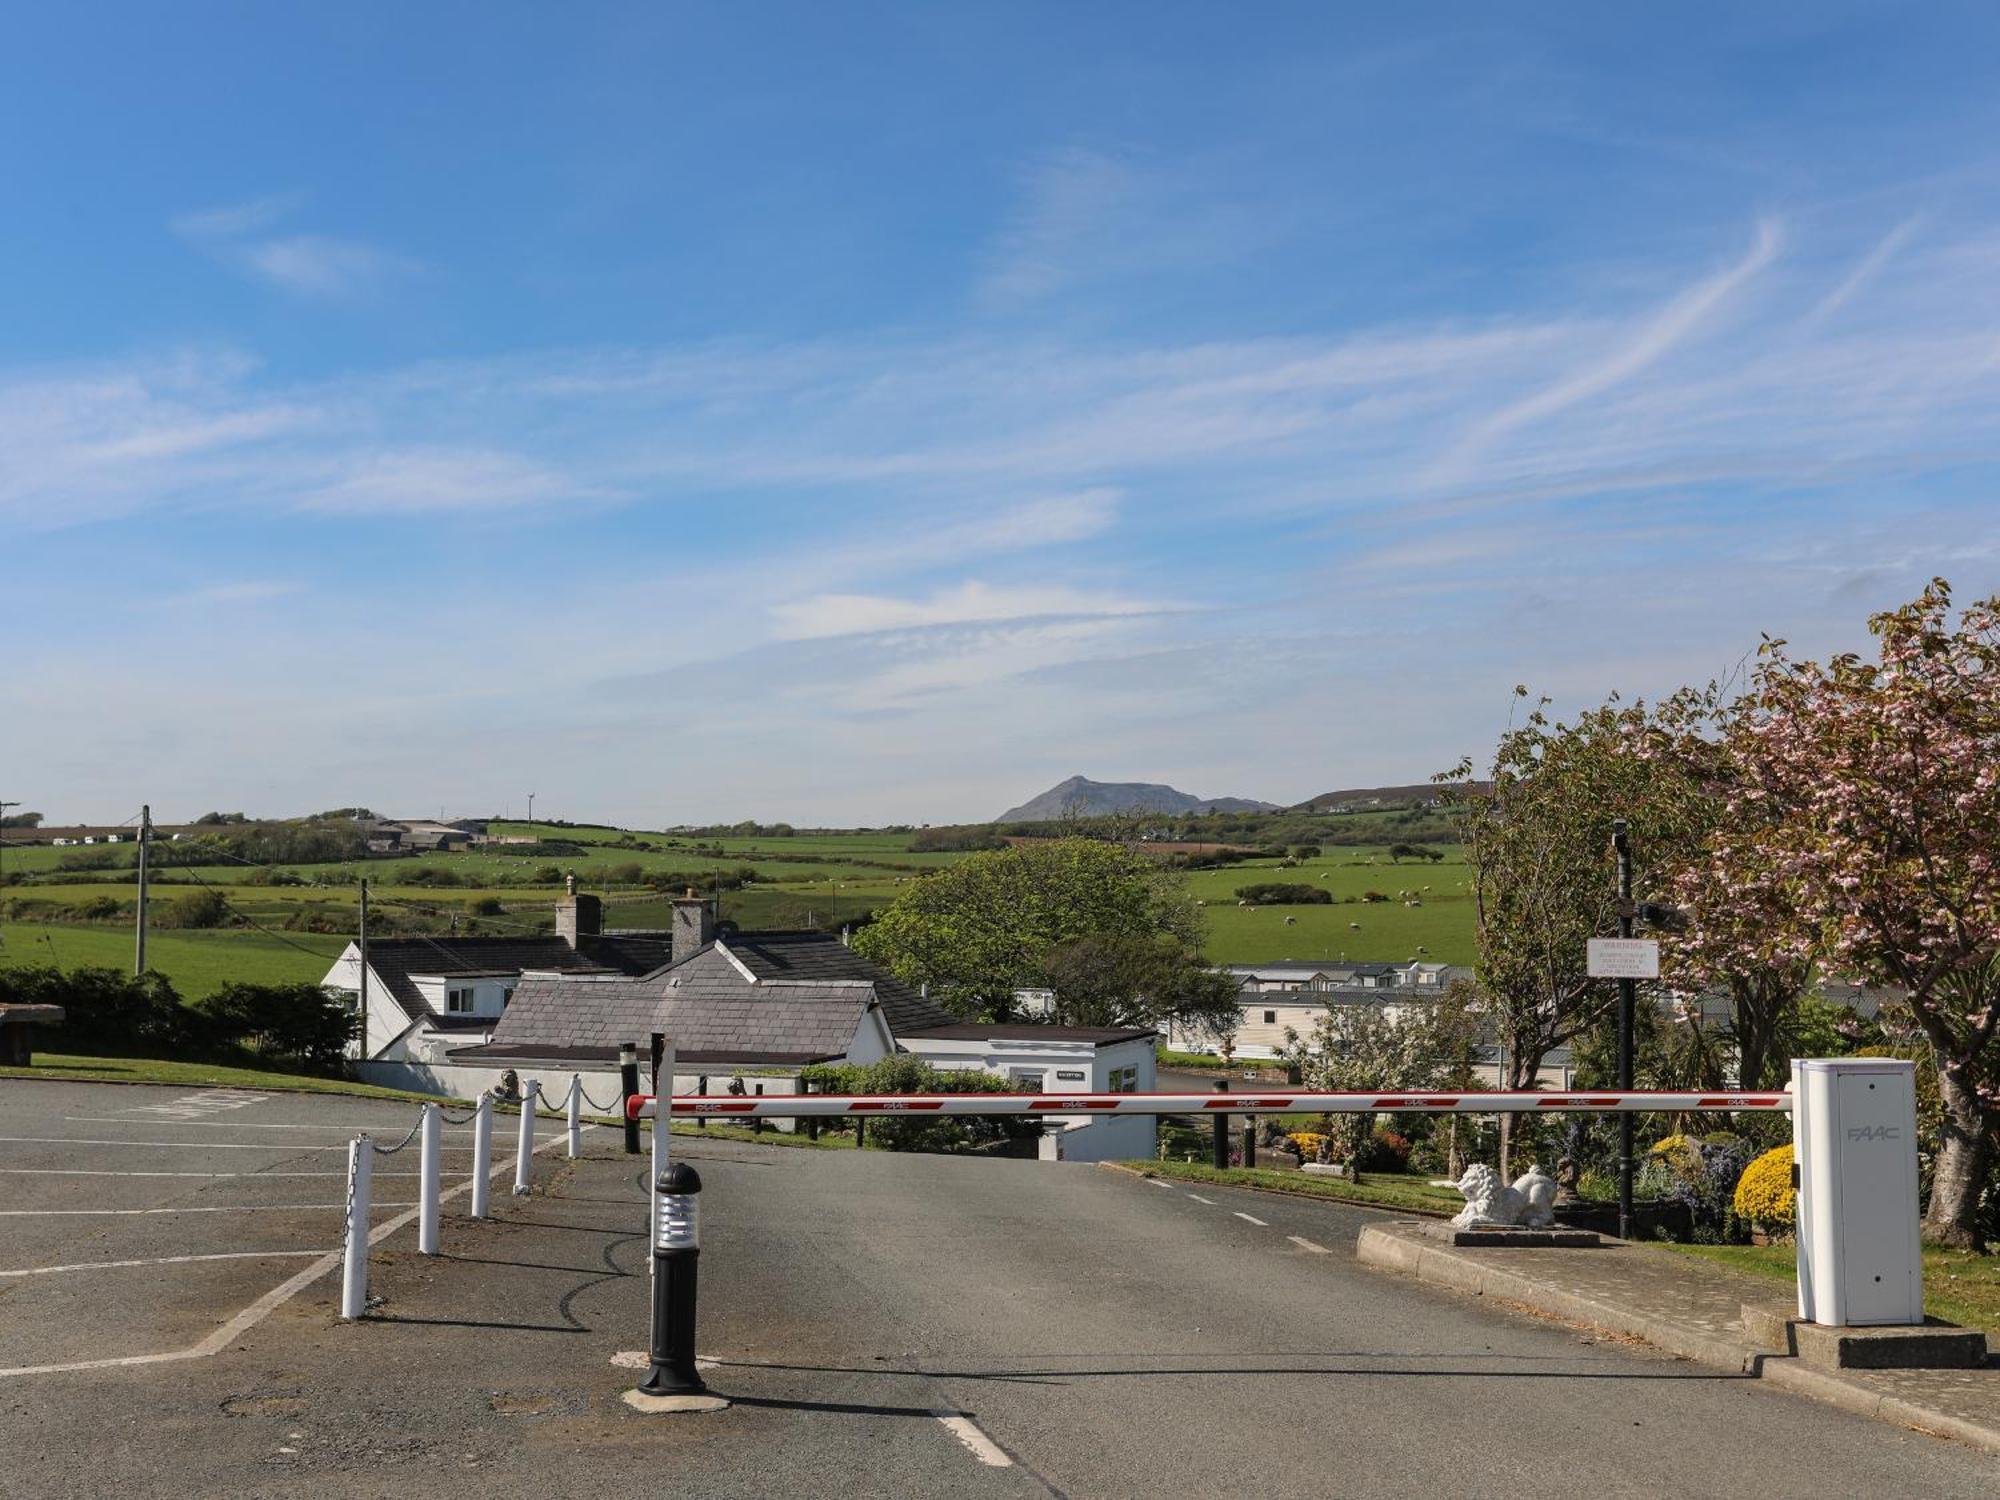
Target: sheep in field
(1291,921)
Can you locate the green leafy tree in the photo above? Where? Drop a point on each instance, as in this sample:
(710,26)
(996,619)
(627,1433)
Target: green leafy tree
(1537,837)
(1107,980)
(976,932)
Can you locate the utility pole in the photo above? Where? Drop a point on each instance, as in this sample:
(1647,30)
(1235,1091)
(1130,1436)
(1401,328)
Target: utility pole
(139,941)
(1621,841)
(531,815)
(3,831)
(363,1049)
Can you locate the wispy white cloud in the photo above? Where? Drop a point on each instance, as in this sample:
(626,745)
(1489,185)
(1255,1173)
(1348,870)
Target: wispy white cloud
(320,266)
(966,603)
(1657,336)
(416,480)
(311,265)
(233,220)
(1865,270)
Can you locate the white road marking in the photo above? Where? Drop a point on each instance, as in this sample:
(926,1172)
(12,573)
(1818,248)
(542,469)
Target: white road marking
(1305,1244)
(265,1305)
(193,1106)
(70,1140)
(354,1129)
(977,1443)
(243,1208)
(1246,1218)
(1199,1199)
(1157,1183)
(168,1260)
(100,1172)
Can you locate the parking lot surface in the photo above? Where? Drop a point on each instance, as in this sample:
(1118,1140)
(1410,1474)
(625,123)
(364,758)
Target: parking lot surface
(885,1325)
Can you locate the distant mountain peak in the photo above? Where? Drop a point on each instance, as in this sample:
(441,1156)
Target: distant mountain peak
(1079,796)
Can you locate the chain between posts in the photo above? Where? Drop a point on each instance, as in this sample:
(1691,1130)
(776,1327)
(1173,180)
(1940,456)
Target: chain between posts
(392,1150)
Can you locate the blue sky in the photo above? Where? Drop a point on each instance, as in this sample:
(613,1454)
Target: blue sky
(877,413)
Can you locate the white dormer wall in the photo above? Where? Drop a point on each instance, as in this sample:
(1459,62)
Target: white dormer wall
(386,1020)
(489,992)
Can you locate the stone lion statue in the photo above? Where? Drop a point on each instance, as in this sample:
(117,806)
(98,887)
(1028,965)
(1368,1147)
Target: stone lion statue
(1490,1204)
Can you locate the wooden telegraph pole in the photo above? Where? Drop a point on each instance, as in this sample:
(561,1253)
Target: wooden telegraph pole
(139,939)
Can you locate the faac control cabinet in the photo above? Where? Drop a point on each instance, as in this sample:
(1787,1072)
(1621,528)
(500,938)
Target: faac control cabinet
(1854,1129)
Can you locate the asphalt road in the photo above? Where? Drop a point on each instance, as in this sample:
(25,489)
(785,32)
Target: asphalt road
(928,1326)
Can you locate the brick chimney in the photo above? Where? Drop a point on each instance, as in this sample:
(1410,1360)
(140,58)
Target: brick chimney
(694,924)
(577,916)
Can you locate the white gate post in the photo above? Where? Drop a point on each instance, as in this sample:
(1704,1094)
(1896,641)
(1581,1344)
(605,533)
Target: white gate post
(530,1087)
(354,1274)
(482,1153)
(427,1182)
(660,1151)
(575,1115)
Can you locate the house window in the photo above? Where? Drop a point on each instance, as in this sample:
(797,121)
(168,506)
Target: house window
(458,1000)
(1124,1081)
(1270,1018)
(506,994)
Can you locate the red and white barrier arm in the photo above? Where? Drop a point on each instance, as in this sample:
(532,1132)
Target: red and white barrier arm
(800,1106)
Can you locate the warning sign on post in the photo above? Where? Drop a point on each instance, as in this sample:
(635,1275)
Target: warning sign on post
(1623,958)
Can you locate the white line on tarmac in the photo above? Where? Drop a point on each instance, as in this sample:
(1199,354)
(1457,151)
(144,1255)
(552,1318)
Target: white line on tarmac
(240,1208)
(1246,1218)
(1199,1199)
(1157,1183)
(70,1140)
(355,1128)
(99,1172)
(977,1443)
(267,1304)
(1304,1244)
(168,1260)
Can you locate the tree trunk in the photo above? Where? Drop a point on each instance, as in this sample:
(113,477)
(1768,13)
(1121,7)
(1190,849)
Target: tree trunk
(1964,1157)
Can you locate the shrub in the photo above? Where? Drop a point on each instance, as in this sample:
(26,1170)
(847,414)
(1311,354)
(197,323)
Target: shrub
(904,1074)
(1309,1144)
(1764,1191)
(1284,893)
(1373,896)
(201,909)
(1383,1151)
(106,1012)
(298,1023)
(488,906)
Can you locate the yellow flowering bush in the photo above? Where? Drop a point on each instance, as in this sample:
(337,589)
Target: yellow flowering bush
(1764,1192)
(1307,1143)
(1679,1155)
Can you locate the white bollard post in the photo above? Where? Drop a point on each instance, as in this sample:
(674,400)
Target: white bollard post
(482,1153)
(354,1274)
(575,1115)
(431,1139)
(529,1088)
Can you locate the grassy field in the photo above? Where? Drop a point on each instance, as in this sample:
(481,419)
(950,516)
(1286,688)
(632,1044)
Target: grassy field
(1959,1287)
(60,1067)
(198,963)
(807,880)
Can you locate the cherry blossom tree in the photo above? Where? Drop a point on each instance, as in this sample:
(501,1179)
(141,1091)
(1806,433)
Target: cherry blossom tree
(1863,813)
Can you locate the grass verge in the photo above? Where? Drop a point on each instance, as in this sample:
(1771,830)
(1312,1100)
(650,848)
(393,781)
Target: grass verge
(61,1067)
(1959,1287)
(1376,1190)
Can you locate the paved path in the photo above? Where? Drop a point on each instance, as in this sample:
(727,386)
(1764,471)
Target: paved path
(930,1326)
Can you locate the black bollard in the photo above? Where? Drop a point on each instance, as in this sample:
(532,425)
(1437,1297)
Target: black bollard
(676,1254)
(757,1121)
(701,1087)
(1249,1140)
(1220,1154)
(628,1085)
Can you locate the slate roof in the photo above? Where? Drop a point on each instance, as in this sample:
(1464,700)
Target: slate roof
(395,962)
(708,1018)
(817,955)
